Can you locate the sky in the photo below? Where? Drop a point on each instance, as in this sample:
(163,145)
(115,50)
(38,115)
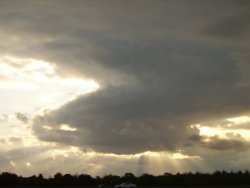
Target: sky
(109,87)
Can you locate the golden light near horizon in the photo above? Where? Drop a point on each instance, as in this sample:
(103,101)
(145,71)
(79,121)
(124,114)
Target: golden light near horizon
(155,162)
(225,128)
(180,155)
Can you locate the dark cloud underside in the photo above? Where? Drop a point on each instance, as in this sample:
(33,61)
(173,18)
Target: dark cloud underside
(159,65)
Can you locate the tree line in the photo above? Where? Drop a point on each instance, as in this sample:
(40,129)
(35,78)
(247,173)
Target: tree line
(166,179)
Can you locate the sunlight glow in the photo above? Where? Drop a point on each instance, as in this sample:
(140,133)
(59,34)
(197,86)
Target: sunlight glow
(94,162)
(182,156)
(239,120)
(223,132)
(65,152)
(28,164)
(66,127)
(46,89)
(47,127)
(210,131)
(26,73)
(225,128)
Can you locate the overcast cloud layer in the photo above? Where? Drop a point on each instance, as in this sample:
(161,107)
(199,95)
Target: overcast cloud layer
(161,66)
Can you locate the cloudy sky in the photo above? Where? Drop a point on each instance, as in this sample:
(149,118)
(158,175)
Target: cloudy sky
(143,86)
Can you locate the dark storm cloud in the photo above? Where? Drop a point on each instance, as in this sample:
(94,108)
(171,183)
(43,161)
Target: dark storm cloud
(124,120)
(175,86)
(232,27)
(155,76)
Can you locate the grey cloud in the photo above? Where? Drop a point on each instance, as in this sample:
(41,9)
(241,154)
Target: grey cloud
(89,30)
(22,117)
(99,131)
(225,144)
(243,59)
(176,82)
(234,27)
(129,120)
(213,146)
(156,78)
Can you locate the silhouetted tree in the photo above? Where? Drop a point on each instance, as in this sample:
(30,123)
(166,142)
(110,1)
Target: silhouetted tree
(111,179)
(167,179)
(129,177)
(86,180)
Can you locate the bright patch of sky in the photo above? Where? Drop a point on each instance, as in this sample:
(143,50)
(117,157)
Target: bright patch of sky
(66,127)
(232,126)
(179,155)
(30,85)
(33,84)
